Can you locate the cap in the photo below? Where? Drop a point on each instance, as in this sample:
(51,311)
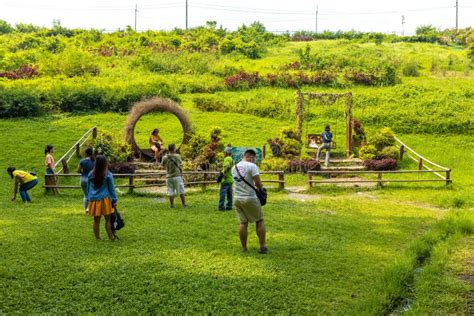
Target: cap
(228,150)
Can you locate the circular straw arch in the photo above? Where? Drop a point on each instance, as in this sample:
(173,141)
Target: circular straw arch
(151,105)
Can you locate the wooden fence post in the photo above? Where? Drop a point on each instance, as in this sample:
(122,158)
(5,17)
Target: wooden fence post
(94,133)
(310,177)
(78,150)
(448,177)
(130,183)
(402,151)
(379,179)
(205,179)
(281,178)
(65,166)
(420,164)
(264,151)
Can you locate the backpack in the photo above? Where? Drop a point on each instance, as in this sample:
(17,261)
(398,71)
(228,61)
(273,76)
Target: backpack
(117,221)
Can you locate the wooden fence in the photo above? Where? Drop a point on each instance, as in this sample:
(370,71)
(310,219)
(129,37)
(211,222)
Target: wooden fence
(425,166)
(74,150)
(158,179)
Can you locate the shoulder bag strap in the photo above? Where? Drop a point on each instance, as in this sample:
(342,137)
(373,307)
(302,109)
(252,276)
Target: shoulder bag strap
(243,179)
(176,164)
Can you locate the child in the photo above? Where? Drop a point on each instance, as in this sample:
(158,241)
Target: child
(49,164)
(85,167)
(101,196)
(23,181)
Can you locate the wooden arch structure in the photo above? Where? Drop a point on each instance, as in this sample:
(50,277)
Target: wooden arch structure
(151,105)
(325,99)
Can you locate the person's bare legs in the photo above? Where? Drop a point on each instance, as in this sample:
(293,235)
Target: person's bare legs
(171,198)
(243,235)
(183,200)
(108,226)
(261,232)
(95,227)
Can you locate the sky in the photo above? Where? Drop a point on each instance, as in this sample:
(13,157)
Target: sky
(277,16)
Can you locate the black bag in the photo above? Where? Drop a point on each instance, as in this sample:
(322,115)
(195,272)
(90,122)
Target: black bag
(219,177)
(117,221)
(261,193)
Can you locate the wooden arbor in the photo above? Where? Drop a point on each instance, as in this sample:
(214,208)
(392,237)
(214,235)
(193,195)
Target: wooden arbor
(155,104)
(325,99)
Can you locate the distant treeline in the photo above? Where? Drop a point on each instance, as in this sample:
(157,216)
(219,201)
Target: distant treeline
(424,34)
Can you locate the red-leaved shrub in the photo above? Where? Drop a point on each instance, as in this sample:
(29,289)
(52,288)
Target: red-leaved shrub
(380,165)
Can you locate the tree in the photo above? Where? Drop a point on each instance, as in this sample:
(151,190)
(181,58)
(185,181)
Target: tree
(5,27)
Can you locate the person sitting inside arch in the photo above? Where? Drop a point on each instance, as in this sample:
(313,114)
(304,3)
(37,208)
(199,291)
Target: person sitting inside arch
(156,143)
(326,138)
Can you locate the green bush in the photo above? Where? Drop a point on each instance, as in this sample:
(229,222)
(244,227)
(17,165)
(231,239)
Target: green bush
(411,68)
(383,138)
(19,103)
(111,147)
(274,164)
(391,152)
(368,152)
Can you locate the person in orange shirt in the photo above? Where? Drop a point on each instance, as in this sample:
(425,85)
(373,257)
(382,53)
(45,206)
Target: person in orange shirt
(156,143)
(50,164)
(24,181)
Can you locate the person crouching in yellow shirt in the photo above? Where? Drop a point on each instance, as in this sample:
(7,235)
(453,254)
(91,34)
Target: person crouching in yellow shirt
(24,181)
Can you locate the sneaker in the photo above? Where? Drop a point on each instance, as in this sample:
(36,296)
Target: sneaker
(171,206)
(263,250)
(221,209)
(228,209)
(185,206)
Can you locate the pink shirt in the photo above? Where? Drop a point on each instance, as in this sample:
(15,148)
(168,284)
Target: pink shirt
(49,162)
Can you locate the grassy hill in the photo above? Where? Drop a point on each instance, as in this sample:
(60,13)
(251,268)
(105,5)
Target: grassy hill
(332,250)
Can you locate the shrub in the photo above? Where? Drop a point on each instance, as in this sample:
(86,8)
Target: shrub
(391,152)
(368,152)
(242,80)
(381,164)
(17,102)
(116,151)
(209,104)
(274,164)
(300,165)
(411,68)
(122,167)
(383,138)
(24,72)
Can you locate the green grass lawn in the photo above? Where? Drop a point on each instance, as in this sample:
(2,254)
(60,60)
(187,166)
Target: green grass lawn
(332,251)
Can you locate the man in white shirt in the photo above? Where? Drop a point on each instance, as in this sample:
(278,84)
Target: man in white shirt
(248,207)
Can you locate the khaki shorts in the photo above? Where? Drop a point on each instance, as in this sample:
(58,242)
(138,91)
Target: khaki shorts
(175,184)
(249,210)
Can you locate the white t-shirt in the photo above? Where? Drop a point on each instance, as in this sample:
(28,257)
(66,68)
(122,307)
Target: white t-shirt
(247,170)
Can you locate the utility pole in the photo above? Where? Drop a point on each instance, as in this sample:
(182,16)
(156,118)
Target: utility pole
(316,30)
(457,15)
(403,25)
(136,11)
(186,14)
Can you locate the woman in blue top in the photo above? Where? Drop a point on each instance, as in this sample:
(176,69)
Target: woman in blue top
(101,195)
(85,166)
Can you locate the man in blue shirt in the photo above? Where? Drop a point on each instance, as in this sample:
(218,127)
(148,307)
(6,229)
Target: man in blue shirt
(326,137)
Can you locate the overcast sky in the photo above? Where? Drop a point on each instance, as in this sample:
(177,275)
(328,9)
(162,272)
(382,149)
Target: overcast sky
(277,15)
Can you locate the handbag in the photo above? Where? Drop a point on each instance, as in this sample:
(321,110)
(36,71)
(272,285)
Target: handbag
(219,177)
(261,193)
(117,221)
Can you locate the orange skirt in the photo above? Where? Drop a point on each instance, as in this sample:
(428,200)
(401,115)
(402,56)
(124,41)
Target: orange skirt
(101,207)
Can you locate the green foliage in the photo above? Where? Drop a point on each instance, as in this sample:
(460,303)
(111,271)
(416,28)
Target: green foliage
(368,152)
(274,164)
(389,152)
(383,138)
(411,68)
(470,53)
(5,27)
(19,102)
(202,151)
(111,147)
